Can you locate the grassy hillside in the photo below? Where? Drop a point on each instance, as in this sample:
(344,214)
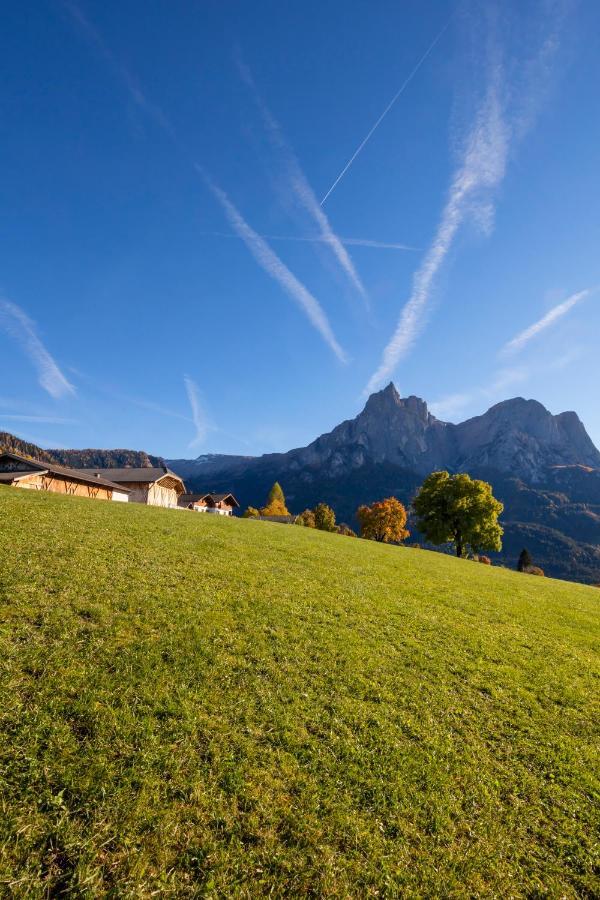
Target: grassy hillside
(196,706)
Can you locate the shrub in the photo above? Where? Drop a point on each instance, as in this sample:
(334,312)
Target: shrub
(250,513)
(485,560)
(324,517)
(306,518)
(534,570)
(345,530)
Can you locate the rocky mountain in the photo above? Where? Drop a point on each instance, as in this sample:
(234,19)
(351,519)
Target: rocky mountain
(517,436)
(544,467)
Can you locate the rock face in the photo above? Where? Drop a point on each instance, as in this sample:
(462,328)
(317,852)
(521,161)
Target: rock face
(517,436)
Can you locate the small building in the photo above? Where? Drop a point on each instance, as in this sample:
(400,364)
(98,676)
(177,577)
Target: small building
(153,485)
(34,475)
(218,504)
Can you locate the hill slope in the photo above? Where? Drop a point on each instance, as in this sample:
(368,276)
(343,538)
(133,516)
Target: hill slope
(79,459)
(196,705)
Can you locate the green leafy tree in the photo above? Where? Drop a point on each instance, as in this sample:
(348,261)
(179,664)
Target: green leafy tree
(275,503)
(306,518)
(383,521)
(324,517)
(459,509)
(525,561)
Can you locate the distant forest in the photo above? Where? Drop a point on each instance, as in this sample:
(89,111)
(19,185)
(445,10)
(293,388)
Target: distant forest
(79,459)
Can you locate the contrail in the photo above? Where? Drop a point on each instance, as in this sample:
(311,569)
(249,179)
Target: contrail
(299,183)
(403,87)
(116,66)
(274,267)
(482,170)
(198,415)
(17,323)
(518,342)
(319,239)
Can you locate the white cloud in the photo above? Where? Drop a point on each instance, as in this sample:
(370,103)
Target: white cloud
(198,414)
(557,312)
(47,420)
(300,186)
(119,70)
(274,267)
(481,171)
(319,239)
(479,175)
(18,325)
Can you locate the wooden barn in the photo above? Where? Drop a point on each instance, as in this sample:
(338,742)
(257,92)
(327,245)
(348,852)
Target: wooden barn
(30,474)
(155,486)
(218,504)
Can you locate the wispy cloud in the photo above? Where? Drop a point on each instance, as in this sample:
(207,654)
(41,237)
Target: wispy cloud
(47,420)
(273,266)
(396,96)
(198,415)
(118,68)
(500,383)
(480,173)
(19,326)
(299,184)
(556,313)
(319,239)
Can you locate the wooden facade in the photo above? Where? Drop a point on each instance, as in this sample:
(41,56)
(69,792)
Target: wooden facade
(153,486)
(28,474)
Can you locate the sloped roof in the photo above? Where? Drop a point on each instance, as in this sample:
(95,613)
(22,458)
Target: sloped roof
(141,475)
(216,498)
(34,467)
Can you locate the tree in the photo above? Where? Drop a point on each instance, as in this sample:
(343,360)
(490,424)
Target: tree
(275,503)
(525,561)
(383,521)
(251,513)
(460,509)
(306,518)
(324,517)
(344,529)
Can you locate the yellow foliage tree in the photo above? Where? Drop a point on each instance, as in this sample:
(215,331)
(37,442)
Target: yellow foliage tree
(275,503)
(383,521)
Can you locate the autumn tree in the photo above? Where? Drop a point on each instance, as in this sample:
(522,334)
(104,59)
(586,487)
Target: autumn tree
(383,521)
(306,518)
(344,529)
(275,503)
(250,513)
(459,509)
(324,517)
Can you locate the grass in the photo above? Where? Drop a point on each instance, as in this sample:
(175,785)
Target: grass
(195,706)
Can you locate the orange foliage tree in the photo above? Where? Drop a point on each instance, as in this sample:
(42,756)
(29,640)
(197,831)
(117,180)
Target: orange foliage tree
(383,521)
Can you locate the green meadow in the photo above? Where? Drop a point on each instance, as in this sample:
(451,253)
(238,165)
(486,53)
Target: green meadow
(196,706)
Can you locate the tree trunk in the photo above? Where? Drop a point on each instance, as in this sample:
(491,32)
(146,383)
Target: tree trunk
(459,546)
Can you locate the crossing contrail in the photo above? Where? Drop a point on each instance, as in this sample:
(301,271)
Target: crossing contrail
(403,87)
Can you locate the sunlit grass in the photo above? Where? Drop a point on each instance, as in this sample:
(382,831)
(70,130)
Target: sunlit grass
(196,706)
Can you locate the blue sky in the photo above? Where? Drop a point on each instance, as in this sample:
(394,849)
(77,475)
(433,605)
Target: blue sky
(169,277)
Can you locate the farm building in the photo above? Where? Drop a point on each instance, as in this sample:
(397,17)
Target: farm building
(155,486)
(19,471)
(219,504)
